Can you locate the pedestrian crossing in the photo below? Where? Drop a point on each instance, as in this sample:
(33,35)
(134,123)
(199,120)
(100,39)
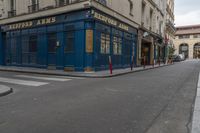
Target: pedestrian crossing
(22,82)
(32,80)
(43,78)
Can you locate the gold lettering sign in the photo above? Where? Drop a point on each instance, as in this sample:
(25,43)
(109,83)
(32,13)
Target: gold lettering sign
(105,19)
(29,24)
(123,26)
(89,41)
(46,21)
(110,21)
(20,25)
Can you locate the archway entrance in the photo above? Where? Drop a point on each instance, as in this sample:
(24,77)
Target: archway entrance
(196,51)
(184,49)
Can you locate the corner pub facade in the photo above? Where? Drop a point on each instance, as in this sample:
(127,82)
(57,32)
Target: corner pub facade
(79,40)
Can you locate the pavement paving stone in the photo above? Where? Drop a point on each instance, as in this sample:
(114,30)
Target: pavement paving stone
(196,122)
(198,92)
(199,82)
(197,104)
(196,113)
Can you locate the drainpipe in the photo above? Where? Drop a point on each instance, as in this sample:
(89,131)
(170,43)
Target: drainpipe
(1,48)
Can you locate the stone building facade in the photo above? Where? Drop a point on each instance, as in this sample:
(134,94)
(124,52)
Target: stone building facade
(81,35)
(151,47)
(187,41)
(170,28)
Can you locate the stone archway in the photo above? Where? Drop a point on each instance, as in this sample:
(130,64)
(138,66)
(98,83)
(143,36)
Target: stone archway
(196,51)
(184,49)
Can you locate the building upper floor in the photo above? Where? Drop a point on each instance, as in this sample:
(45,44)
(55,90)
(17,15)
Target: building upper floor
(188,32)
(170,26)
(149,14)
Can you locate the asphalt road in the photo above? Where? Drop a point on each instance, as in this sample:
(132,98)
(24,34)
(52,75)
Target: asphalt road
(153,101)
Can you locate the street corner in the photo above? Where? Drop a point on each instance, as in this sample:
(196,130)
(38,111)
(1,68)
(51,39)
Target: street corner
(5,90)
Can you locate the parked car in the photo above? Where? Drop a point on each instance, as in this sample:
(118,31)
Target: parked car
(178,58)
(182,56)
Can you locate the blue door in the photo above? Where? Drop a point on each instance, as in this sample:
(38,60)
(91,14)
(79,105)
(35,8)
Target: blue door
(13,51)
(52,41)
(69,49)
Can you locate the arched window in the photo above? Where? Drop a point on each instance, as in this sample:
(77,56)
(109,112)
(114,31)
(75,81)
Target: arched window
(196,51)
(184,49)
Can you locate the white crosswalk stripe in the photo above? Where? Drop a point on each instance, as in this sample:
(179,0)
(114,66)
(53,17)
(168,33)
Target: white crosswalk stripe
(43,78)
(22,82)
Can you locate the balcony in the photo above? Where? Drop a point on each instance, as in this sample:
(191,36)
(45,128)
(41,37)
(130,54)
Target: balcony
(60,3)
(103,2)
(33,8)
(11,13)
(170,25)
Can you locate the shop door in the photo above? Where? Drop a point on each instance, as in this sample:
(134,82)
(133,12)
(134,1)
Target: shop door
(52,41)
(146,53)
(127,52)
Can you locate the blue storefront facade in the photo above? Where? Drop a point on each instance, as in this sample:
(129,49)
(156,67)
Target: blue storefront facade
(75,41)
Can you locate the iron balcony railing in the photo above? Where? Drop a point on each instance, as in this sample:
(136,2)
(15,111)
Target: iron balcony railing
(60,3)
(33,8)
(171,25)
(12,13)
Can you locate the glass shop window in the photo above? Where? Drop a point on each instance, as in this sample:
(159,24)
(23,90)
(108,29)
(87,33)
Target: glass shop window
(33,44)
(117,45)
(105,43)
(69,43)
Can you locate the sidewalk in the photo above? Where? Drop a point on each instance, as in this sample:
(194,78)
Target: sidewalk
(196,112)
(4,90)
(99,74)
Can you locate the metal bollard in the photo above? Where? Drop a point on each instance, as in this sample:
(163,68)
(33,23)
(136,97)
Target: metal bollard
(154,63)
(110,65)
(132,63)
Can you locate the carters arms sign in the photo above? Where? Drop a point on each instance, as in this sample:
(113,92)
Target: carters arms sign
(30,24)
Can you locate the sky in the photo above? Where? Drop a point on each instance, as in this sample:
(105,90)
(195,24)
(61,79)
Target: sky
(187,12)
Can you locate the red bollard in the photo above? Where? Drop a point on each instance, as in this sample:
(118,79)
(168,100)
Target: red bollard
(110,65)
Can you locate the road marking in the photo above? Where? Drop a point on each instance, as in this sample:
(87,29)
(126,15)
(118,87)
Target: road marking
(196,114)
(22,82)
(69,77)
(43,78)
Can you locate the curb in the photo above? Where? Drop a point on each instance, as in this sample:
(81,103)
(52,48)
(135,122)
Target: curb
(83,76)
(4,90)
(196,113)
